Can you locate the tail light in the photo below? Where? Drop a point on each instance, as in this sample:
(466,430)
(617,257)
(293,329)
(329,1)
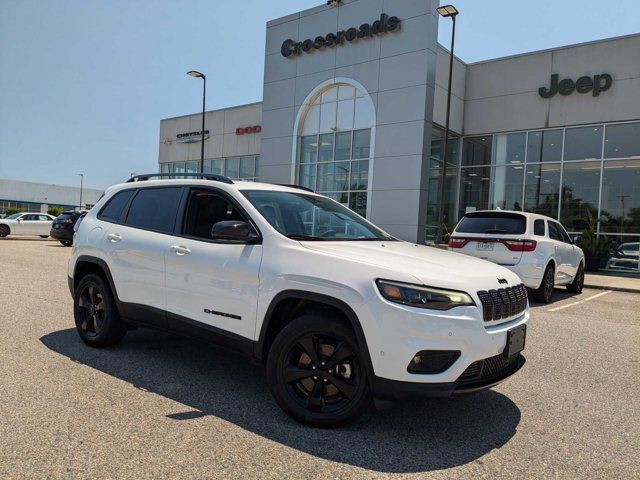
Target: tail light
(67,220)
(457,242)
(520,245)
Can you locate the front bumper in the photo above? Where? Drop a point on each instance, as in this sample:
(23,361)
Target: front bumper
(385,389)
(396,333)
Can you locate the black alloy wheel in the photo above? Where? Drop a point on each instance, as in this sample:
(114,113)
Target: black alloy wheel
(316,374)
(96,315)
(4,231)
(321,373)
(92,310)
(578,282)
(544,293)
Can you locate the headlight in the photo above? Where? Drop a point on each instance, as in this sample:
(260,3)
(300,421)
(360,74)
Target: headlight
(423,297)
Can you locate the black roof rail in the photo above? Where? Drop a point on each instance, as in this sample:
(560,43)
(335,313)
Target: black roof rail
(204,176)
(299,187)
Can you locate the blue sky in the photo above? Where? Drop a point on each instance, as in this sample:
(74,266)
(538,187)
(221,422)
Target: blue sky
(84,83)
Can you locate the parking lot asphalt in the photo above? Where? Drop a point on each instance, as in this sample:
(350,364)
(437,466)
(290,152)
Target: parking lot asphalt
(160,406)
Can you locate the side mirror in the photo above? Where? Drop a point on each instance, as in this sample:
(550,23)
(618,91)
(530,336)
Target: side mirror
(18,219)
(233,231)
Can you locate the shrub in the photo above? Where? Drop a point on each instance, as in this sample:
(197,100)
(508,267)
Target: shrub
(54,210)
(11,211)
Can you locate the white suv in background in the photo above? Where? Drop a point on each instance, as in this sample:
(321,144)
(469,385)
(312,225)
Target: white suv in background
(34,224)
(535,247)
(339,311)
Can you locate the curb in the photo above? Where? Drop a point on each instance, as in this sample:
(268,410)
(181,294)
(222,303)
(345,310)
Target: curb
(613,289)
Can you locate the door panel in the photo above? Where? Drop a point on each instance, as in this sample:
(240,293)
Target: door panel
(214,283)
(29,225)
(211,282)
(136,261)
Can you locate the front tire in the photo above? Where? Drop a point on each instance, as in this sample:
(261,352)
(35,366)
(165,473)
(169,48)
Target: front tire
(316,372)
(578,281)
(97,319)
(544,292)
(44,236)
(4,231)
(66,243)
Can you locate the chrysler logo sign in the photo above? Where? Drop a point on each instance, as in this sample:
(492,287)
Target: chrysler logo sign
(191,137)
(383,25)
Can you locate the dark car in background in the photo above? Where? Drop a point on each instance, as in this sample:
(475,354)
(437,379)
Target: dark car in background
(62,228)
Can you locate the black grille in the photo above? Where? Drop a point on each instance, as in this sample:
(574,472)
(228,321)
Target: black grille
(488,368)
(503,303)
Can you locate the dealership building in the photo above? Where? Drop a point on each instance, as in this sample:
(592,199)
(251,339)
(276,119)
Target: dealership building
(354,105)
(38,197)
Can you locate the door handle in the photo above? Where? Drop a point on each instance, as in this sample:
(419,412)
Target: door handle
(114,237)
(180,250)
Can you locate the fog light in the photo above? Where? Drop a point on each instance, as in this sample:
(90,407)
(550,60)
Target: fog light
(433,361)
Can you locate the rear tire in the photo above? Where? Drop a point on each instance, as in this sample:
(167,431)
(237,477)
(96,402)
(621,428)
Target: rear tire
(316,372)
(66,243)
(578,281)
(4,231)
(44,236)
(97,319)
(544,292)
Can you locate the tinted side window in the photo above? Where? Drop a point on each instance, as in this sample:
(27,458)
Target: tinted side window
(538,228)
(563,233)
(30,217)
(554,233)
(204,210)
(155,209)
(44,218)
(112,211)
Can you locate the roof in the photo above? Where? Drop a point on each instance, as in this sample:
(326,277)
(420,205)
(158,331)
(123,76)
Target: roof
(517,212)
(236,185)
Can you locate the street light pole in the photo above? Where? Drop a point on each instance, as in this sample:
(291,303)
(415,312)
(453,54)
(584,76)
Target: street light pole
(81,175)
(451,12)
(196,74)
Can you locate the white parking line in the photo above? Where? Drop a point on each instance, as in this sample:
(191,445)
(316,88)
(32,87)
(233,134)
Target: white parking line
(579,302)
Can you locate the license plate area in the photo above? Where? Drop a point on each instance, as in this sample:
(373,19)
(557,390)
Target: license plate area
(516,339)
(484,246)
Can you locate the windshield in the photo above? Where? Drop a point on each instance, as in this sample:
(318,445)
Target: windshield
(307,217)
(13,217)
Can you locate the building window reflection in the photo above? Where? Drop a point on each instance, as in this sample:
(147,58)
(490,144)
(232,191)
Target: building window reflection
(580,191)
(335,146)
(236,168)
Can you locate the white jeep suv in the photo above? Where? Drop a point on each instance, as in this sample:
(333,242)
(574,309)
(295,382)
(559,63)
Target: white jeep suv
(536,248)
(339,311)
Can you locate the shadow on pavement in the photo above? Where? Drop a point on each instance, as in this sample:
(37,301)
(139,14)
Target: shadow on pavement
(416,436)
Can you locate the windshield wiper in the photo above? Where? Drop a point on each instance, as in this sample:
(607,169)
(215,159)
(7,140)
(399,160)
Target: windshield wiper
(301,237)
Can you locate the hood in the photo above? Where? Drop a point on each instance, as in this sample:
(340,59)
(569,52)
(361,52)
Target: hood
(429,265)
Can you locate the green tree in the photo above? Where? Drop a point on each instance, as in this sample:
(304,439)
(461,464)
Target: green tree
(54,210)
(11,211)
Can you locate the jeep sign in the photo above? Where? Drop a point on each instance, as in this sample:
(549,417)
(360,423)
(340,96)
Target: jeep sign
(595,85)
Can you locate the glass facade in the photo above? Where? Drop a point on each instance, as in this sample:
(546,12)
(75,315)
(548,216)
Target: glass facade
(579,175)
(236,168)
(335,146)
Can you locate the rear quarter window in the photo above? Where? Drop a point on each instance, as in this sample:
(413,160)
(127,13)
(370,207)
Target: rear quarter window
(538,228)
(493,223)
(112,211)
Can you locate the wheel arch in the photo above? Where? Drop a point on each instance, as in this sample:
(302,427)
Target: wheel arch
(299,301)
(86,264)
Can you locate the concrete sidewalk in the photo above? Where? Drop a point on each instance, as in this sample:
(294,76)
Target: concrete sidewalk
(620,282)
